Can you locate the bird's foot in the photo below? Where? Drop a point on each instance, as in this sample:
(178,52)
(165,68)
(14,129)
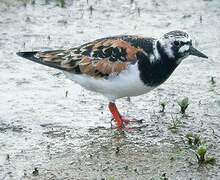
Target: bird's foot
(121,121)
(127,120)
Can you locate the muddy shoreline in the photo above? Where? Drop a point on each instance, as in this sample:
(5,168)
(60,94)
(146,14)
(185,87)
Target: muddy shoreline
(46,135)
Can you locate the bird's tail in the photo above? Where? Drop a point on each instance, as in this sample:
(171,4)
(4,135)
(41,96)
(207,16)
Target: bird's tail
(48,58)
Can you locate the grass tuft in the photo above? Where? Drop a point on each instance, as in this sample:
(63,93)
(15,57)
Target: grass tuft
(163,105)
(184,103)
(194,140)
(203,157)
(200,148)
(174,125)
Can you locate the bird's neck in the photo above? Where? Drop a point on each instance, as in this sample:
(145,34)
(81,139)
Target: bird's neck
(155,72)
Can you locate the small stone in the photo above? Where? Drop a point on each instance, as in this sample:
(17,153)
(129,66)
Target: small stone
(117,150)
(35,172)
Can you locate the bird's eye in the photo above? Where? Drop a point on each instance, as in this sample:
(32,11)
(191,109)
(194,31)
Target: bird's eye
(176,43)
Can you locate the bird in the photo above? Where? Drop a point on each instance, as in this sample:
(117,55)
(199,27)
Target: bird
(120,66)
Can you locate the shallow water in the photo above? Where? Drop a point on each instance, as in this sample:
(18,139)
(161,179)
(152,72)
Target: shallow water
(70,137)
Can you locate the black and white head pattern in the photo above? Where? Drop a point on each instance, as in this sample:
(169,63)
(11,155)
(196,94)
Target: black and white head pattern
(176,44)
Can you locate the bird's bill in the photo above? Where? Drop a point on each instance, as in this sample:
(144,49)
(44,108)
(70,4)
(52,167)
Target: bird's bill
(193,51)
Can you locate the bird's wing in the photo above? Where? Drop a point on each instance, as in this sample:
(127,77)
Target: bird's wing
(99,58)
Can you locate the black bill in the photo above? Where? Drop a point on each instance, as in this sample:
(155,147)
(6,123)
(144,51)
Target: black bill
(195,52)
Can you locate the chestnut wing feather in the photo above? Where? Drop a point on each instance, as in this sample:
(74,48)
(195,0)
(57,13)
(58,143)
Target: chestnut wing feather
(99,58)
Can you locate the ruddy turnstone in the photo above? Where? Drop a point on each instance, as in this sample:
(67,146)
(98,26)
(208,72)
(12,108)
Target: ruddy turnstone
(120,66)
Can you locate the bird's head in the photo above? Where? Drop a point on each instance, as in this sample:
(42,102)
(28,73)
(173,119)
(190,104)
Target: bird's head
(178,45)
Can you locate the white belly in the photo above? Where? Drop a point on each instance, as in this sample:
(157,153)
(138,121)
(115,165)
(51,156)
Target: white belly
(127,83)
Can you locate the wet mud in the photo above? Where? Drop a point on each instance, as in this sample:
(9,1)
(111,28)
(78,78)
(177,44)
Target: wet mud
(51,128)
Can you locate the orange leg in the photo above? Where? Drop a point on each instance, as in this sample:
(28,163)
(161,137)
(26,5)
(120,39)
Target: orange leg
(113,109)
(120,120)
